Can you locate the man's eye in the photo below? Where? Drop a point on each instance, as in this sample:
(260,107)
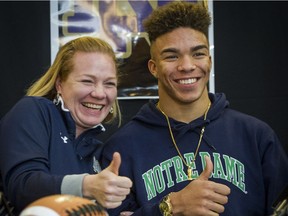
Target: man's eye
(171,57)
(199,54)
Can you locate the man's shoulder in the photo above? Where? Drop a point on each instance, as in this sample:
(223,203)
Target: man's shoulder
(247,120)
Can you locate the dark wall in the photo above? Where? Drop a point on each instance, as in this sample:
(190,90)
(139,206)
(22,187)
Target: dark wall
(24,47)
(251,46)
(251,52)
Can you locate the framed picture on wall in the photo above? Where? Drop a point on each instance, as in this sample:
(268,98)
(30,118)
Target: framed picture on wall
(119,22)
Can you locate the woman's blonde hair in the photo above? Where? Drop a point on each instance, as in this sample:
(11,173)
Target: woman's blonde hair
(63,65)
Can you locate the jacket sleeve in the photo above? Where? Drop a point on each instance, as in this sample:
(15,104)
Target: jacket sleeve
(24,161)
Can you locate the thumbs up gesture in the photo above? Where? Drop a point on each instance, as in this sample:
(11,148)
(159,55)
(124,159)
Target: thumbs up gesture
(108,188)
(201,196)
(208,169)
(115,163)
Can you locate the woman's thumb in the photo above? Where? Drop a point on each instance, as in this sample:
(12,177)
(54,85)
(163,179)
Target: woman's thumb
(115,163)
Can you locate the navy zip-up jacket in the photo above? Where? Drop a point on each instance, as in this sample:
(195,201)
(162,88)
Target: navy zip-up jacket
(38,149)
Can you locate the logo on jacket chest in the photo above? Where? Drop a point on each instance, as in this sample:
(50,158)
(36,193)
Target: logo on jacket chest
(226,168)
(64,138)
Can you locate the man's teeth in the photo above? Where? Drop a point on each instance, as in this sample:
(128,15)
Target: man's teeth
(93,106)
(188,81)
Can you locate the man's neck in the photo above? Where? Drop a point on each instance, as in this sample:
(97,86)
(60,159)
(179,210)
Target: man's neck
(184,112)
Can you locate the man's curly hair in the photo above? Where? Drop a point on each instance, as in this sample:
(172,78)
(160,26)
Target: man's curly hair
(177,14)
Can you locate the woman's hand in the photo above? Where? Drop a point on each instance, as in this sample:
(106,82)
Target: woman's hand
(107,187)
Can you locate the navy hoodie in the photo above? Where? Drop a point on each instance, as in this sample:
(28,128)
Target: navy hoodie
(38,148)
(246,154)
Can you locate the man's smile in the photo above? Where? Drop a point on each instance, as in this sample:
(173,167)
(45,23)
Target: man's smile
(187,81)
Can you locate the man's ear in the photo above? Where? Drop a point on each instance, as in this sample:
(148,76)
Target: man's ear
(152,68)
(210,61)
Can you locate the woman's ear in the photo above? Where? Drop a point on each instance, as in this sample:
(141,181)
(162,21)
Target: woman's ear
(152,68)
(58,85)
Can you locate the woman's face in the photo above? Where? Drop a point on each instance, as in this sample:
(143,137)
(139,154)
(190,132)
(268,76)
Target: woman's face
(90,89)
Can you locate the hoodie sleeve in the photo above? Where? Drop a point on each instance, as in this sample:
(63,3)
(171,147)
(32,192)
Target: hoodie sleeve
(274,167)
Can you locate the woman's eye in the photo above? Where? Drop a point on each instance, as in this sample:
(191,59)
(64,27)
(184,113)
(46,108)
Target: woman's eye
(111,84)
(86,81)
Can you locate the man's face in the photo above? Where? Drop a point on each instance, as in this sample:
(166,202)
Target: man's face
(181,61)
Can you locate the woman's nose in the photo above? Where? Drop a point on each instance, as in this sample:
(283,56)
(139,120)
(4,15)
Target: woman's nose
(98,92)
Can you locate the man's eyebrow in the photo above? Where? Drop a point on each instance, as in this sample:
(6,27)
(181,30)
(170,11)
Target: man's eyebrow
(174,50)
(193,49)
(169,50)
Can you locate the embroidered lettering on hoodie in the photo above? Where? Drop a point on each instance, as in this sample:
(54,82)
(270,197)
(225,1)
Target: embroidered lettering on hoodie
(225,167)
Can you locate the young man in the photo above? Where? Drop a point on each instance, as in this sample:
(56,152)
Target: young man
(188,153)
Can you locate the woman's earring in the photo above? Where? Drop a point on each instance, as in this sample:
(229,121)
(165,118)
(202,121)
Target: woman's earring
(57,99)
(111,110)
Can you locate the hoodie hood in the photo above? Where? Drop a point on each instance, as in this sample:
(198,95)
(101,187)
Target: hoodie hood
(149,114)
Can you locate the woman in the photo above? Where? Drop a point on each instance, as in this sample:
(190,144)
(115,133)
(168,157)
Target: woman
(48,140)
